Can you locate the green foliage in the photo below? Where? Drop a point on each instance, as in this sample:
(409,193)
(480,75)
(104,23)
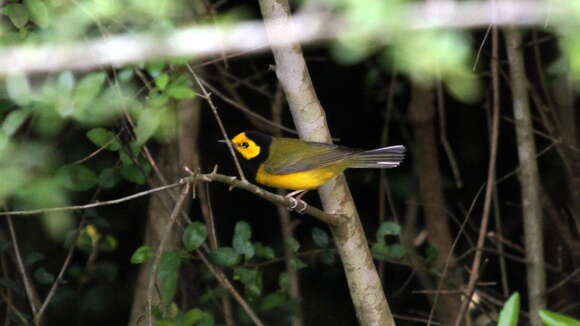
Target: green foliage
(194,236)
(77,177)
(142,254)
(252,280)
(555,319)
(38,12)
(104,138)
(320,237)
(225,257)
(17,13)
(168,274)
(263,251)
(509,314)
(381,250)
(241,241)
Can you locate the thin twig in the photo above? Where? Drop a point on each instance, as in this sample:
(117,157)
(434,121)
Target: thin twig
(30,291)
(443,135)
(446,266)
(219,121)
(247,110)
(96,204)
(228,286)
(56,283)
(161,247)
(496,108)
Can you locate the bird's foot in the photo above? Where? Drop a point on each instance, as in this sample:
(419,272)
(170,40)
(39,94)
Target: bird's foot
(297,201)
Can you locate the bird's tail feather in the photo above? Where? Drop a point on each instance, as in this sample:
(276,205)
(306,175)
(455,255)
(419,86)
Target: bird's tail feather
(382,158)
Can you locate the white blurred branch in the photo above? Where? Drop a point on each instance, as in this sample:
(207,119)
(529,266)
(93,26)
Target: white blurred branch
(206,41)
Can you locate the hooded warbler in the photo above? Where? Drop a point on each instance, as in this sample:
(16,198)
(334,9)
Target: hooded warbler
(296,164)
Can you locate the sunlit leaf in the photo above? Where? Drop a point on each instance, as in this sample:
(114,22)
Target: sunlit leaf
(555,319)
(38,12)
(141,255)
(17,13)
(14,121)
(510,312)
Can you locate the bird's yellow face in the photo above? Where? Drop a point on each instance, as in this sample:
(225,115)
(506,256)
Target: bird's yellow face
(246,146)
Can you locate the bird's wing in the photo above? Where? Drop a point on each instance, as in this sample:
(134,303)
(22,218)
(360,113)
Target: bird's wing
(303,156)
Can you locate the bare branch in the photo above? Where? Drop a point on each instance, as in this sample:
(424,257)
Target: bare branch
(206,41)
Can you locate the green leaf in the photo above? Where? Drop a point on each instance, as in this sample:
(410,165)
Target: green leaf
(243,230)
(191,317)
(225,257)
(283,281)
(134,173)
(17,13)
(104,138)
(42,276)
(264,251)
(162,81)
(241,240)
(273,300)
(206,320)
(108,244)
(141,255)
(382,251)
(18,89)
(109,178)
(510,312)
(38,12)
(65,81)
(293,244)
(194,236)
(320,237)
(388,228)
(297,264)
(14,121)
(147,124)
(252,280)
(181,92)
(168,275)
(77,177)
(554,319)
(89,87)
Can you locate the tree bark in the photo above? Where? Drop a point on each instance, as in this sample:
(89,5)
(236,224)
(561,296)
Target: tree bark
(426,160)
(171,160)
(529,178)
(309,117)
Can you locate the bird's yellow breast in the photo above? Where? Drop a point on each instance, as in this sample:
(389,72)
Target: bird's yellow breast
(303,180)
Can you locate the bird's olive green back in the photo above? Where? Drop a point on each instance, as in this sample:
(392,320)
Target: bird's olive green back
(288,155)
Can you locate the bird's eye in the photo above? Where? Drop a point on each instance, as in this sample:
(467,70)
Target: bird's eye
(245,145)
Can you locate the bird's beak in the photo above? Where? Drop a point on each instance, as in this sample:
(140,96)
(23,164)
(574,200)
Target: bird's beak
(223,141)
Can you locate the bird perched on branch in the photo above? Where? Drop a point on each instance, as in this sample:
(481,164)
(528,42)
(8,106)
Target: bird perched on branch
(300,165)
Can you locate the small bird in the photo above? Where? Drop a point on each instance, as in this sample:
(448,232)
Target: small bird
(296,164)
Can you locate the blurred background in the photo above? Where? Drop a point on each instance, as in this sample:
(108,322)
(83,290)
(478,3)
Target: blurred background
(73,137)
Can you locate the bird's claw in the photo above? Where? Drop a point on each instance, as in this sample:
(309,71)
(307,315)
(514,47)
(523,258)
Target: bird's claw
(295,203)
